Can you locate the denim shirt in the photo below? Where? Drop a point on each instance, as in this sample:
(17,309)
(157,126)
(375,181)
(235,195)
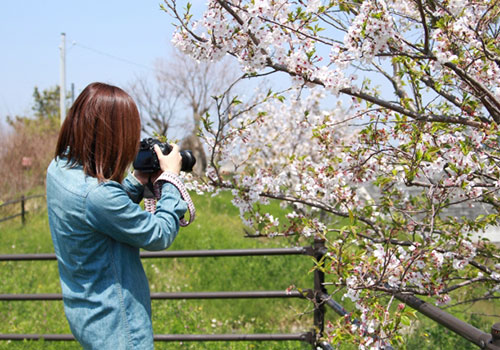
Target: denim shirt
(97,230)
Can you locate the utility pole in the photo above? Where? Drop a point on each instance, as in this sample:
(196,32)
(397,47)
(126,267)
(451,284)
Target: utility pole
(62,85)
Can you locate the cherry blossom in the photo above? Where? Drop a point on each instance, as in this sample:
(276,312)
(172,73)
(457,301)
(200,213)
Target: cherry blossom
(399,174)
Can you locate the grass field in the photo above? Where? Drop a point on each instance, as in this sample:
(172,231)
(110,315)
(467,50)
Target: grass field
(217,227)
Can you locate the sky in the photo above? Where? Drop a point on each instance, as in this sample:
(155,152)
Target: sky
(112,41)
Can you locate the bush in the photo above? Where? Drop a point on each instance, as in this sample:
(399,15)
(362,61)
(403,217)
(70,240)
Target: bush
(26,153)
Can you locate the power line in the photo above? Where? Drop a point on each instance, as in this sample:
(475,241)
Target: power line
(112,56)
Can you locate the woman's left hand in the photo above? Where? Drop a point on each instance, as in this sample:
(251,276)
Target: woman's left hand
(143,177)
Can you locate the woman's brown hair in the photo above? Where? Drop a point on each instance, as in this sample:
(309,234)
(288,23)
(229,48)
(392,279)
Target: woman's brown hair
(101,132)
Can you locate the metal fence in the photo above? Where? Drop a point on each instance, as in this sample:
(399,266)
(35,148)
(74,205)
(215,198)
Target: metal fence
(318,295)
(308,336)
(22,201)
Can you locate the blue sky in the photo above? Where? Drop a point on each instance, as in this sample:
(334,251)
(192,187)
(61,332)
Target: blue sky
(112,41)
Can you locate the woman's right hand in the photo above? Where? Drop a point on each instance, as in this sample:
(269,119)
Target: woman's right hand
(171,162)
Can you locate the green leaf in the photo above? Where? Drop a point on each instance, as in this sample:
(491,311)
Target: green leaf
(405,320)
(280,98)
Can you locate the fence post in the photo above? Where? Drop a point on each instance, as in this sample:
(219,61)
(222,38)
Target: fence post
(23,211)
(495,333)
(319,289)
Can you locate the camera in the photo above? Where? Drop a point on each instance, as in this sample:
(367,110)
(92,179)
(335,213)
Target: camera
(147,160)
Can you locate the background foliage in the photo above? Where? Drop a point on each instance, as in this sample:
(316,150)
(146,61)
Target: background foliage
(27,149)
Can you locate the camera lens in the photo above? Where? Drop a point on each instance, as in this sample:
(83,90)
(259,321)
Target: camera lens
(188,160)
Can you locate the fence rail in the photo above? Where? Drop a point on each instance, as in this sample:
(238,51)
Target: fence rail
(309,337)
(175,295)
(182,253)
(23,212)
(305,337)
(318,295)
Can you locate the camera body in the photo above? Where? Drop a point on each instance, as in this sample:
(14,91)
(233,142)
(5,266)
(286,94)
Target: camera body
(147,160)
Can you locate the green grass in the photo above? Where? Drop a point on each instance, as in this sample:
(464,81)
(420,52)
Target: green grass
(217,227)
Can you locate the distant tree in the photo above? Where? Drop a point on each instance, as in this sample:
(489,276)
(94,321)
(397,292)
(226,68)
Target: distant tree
(157,104)
(45,109)
(29,147)
(181,94)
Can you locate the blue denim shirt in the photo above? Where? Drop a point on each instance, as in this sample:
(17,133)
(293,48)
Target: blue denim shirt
(97,230)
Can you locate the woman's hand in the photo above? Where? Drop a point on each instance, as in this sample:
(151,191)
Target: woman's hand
(171,162)
(143,177)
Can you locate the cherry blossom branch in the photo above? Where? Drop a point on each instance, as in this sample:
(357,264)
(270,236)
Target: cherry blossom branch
(381,240)
(424,25)
(298,32)
(334,23)
(491,103)
(173,8)
(466,283)
(427,80)
(481,267)
(387,104)
(349,91)
(395,81)
(471,301)
(309,203)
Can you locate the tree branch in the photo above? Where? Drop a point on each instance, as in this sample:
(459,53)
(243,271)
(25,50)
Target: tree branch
(490,102)
(424,24)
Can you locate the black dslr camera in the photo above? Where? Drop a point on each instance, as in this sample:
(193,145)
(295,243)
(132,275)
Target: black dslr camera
(147,160)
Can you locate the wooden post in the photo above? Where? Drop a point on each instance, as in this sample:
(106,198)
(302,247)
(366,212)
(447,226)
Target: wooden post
(23,211)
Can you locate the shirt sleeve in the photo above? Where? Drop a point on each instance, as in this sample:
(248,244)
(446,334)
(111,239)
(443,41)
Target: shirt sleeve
(111,211)
(134,188)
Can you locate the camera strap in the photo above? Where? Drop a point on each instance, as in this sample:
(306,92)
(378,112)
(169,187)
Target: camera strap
(155,189)
(149,191)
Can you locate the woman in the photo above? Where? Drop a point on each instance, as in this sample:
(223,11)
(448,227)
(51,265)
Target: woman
(97,225)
